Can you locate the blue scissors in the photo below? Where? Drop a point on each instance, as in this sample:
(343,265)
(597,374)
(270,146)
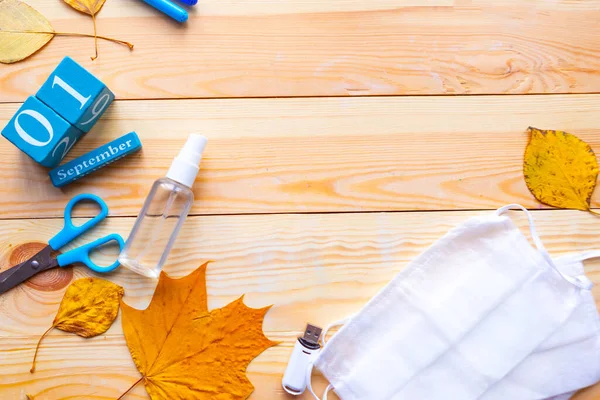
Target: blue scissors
(44,259)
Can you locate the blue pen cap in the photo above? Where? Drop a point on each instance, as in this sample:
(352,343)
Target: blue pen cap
(169,8)
(189,2)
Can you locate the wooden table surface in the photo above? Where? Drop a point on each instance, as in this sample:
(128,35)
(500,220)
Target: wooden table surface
(345,136)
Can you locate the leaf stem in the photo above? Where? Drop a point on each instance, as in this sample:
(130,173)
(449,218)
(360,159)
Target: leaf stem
(593,212)
(123,42)
(95,37)
(32,370)
(131,387)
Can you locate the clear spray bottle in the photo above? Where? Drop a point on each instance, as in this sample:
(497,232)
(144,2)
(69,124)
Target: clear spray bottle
(166,207)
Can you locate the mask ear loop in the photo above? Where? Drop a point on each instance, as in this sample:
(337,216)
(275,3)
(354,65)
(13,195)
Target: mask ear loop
(581,281)
(310,366)
(332,325)
(586,255)
(309,384)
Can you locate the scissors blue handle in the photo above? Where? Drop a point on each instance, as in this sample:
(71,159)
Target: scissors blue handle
(82,254)
(70,231)
(44,259)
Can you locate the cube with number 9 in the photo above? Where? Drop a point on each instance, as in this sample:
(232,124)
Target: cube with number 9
(41,133)
(75,94)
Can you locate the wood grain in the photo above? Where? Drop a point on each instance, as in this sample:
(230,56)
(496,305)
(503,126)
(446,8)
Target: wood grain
(328,48)
(316,268)
(314,155)
(591,393)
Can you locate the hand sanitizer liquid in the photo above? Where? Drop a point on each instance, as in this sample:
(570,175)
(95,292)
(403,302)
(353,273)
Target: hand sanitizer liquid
(166,207)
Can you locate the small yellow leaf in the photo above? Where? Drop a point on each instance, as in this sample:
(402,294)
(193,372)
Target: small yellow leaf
(90,7)
(23,31)
(88,308)
(560,169)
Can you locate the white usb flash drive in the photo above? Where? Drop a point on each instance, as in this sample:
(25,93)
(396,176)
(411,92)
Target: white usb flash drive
(306,350)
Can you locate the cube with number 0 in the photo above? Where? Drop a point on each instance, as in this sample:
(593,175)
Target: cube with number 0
(75,94)
(41,133)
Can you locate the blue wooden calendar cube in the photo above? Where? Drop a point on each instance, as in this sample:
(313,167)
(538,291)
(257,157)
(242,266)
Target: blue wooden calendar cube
(75,94)
(41,133)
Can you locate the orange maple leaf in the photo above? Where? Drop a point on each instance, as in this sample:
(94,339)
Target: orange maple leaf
(183,351)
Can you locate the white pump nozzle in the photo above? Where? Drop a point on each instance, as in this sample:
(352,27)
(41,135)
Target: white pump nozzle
(186,165)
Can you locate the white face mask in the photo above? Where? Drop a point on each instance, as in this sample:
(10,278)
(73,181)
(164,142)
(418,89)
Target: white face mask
(459,319)
(565,362)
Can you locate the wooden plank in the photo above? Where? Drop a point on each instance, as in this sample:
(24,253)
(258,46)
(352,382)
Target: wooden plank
(314,155)
(333,48)
(591,393)
(101,369)
(316,268)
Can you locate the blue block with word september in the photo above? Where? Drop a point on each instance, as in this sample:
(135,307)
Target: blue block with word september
(41,133)
(95,159)
(75,94)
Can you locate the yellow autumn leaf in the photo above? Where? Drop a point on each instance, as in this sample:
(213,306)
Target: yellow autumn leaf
(560,169)
(88,308)
(90,7)
(183,351)
(19,27)
(24,31)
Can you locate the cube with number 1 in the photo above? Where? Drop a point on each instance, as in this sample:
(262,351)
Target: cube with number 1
(75,94)
(67,105)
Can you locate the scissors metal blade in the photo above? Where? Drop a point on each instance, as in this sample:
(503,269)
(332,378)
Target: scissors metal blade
(42,261)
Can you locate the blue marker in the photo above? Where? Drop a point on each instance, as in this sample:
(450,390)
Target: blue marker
(189,2)
(170,9)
